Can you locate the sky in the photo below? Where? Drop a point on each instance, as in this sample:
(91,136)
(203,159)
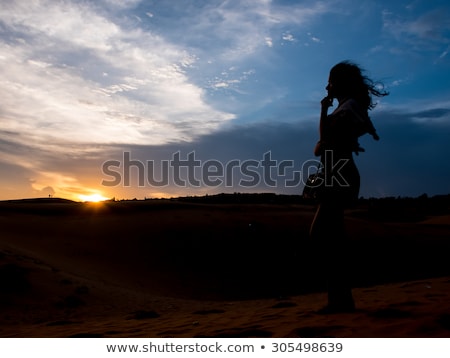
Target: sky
(143,99)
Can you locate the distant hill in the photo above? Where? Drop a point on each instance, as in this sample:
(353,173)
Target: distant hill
(243,198)
(393,209)
(39,201)
(41,206)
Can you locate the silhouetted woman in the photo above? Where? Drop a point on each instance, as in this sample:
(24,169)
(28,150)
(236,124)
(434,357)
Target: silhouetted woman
(339,133)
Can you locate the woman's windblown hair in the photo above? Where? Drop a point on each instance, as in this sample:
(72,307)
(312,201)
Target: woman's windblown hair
(349,78)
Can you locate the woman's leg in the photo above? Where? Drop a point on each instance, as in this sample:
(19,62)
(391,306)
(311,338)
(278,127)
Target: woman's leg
(328,233)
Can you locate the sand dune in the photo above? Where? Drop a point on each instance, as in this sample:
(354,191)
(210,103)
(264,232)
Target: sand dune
(184,269)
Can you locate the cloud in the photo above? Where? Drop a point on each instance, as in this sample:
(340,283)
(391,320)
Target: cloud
(410,158)
(121,3)
(89,79)
(427,31)
(288,37)
(435,114)
(236,31)
(314,38)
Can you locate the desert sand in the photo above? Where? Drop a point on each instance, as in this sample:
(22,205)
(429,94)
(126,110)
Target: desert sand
(193,268)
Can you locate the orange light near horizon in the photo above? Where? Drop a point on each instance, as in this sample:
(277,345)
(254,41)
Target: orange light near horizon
(93,198)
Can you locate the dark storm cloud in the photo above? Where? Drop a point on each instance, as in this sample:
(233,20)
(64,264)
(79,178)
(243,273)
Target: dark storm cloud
(409,160)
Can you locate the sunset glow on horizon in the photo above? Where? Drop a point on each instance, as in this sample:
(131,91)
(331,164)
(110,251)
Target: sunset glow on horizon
(93,198)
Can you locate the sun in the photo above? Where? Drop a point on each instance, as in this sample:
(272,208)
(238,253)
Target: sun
(93,198)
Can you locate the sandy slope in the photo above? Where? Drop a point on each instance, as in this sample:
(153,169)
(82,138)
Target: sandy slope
(214,271)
